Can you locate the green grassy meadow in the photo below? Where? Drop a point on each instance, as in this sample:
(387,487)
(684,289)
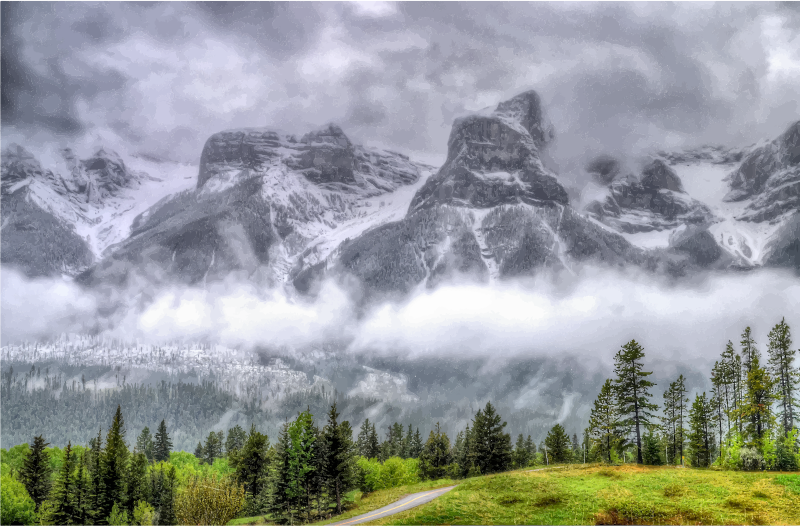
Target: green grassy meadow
(594,494)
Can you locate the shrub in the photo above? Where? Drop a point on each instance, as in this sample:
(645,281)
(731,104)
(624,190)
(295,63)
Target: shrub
(751,459)
(118,517)
(395,471)
(16,506)
(212,500)
(143,514)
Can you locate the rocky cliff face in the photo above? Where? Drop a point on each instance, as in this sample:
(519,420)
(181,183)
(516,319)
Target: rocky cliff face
(266,206)
(655,201)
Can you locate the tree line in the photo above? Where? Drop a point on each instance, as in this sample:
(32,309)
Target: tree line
(747,421)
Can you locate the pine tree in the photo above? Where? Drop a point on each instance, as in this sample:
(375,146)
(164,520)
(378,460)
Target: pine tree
(603,422)
(651,453)
(362,442)
(167,494)
(530,447)
(36,471)
(136,483)
(163,444)
(82,502)
(374,445)
(114,465)
(144,443)
(559,447)
(199,452)
(749,351)
(61,503)
(782,368)
(576,448)
(436,455)
(492,447)
(407,443)
(251,463)
(756,407)
(339,466)
(416,445)
(632,391)
(95,489)
(284,495)
(521,457)
(701,422)
(212,449)
(236,439)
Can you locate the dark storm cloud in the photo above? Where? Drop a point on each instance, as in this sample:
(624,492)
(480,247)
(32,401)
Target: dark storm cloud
(614,77)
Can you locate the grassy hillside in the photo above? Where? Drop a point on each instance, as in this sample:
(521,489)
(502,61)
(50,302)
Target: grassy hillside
(612,495)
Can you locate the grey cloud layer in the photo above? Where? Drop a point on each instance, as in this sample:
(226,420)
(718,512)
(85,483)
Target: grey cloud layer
(615,77)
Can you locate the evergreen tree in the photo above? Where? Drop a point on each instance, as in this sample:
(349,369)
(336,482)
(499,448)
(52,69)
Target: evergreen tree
(521,457)
(167,514)
(36,471)
(236,439)
(61,502)
(407,440)
(492,447)
(283,498)
(603,422)
(731,368)
(251,463)
(82,502)
(757,405)
(632,391)
(95,489)
(559,447)
(782,368)
(339,466)
(701,425)
(144,443)
(416,445)
(199,452)
(576,448)
(373,444)
(212,449)
(652,449)
(136,483)
(436,455)
(163,444)
(749,351)
(114,466)
(530,447)
(362,442)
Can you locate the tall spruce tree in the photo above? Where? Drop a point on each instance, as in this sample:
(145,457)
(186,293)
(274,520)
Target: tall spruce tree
(757,405)
(782,368)
(114,465)
(559,447)
(36,471)
(284,497)
(163,444)
(136,483)
(491,445)
(362,442)
(236,439)
(603,421)
(521,456)
(436,455)
(212,449)
(144,443)
(701,424)
(632,391)
(339,466)
(251,463)
(416,445)
(61,502)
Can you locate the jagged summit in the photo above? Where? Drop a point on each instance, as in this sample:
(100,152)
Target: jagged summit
(493,158)
(657,175)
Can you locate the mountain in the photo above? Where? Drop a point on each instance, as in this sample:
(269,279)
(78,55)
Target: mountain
(283,209)
(265,205)
(63,218)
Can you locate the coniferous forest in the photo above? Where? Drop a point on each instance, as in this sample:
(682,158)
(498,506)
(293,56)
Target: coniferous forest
(308,470)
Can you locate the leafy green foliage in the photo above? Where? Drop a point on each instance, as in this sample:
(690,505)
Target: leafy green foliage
(16,506)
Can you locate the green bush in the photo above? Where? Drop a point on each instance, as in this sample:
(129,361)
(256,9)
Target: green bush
(395,471)
(16,506)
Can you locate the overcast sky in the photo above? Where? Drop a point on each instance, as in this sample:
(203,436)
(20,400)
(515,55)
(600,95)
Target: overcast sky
(614,77)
